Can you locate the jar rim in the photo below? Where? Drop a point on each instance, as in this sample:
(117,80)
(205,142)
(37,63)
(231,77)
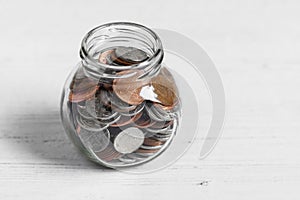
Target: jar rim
(155,58)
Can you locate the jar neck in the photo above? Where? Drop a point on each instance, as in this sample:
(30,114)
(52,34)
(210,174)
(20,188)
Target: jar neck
(121,34)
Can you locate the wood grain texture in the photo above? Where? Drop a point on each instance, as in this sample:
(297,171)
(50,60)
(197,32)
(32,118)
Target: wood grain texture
(256,47)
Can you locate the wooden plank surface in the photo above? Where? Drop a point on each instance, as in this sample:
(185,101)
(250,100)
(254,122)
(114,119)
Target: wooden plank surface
(256,47)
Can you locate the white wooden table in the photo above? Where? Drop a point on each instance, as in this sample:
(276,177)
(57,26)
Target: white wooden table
(256,47)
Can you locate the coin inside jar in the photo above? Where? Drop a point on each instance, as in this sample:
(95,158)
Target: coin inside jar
(109,153)
(129,140)
(165,88)
(128,55)
(128,89)
(103,57)
(82,89)
(95,140)
(98,110)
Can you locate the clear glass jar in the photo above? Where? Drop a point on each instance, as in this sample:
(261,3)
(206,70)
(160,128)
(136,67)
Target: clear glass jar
(120,105)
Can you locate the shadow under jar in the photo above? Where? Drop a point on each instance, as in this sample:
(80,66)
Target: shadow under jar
(120,105)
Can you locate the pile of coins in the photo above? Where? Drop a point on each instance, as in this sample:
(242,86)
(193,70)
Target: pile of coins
(124,120)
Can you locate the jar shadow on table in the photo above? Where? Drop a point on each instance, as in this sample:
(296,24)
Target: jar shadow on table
(39,138)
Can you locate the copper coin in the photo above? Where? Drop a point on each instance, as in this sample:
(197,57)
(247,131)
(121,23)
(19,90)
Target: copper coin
(82,89)
(140,150)
(162,87)
(172,108)
(109,153)
(152,142)
(76,97)
(165,88)
(103,57)
(81,84)
(128,89)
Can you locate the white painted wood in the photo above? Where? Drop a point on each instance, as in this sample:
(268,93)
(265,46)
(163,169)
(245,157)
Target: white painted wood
(256,47)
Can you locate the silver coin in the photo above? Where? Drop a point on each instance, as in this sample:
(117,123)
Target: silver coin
(137,156)
(90,124)
(83,112)
(130,54)
(119,105)
(97,110)
(160,130)
(139,108)
(151,147)
(162,139)
(145,155)
(95,140)
(162,114)
(110,121)
(129,140)
(154,116)
(127,159)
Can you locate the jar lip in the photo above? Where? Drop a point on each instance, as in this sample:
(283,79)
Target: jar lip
(157,55)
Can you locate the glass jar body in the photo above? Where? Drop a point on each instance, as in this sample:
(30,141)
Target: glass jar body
(124,114)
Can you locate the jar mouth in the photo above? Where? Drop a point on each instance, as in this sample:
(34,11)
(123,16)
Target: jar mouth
(121,34)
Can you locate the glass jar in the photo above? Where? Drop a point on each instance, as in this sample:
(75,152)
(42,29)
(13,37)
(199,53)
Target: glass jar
(120,105)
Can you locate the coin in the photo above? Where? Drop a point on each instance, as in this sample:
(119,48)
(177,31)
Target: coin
(147,151)
(161,131)
(150,147)
(144,121)
(83,112)
(152,142)
(90,124)
(139,108)
(125,120)
(82,90)
(129,140)
(154,116)
(126,159)
(138,156)
(162,138)
(104,55)
(103,96)
(95,140)
(119,105)
(128,55)
(109,153)
(98,110)
(165,88)
(161,125)
(128,89)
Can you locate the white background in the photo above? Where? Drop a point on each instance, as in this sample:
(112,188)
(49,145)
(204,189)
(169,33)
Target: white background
(255,46)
